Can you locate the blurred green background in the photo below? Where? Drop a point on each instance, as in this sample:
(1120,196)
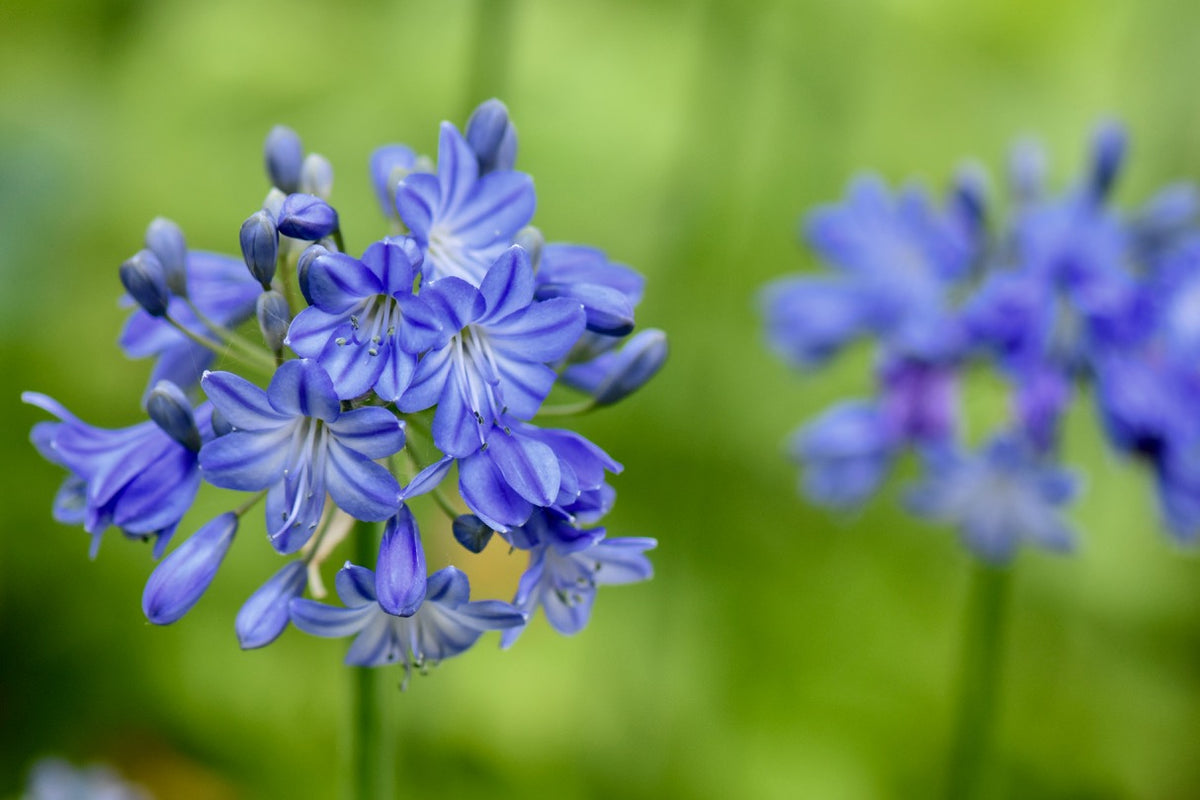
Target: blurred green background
(780,652)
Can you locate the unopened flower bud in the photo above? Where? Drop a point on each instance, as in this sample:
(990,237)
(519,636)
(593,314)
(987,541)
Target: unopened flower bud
(533,241)
(306,217)
(306,260)
(260,246)
(617,374)
(182,578)
(1108,152)
(168,406)
(283,153)
(165,239)
(400,577)
(274,316)
(492,136)
(472,532)
(316,176)
(145,280)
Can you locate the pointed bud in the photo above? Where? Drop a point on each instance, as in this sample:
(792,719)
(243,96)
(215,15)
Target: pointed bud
(390,164)
(143,277)
(492,136)
(274,316)
(260,246)
(283,153)
(533,241)
(615,375)
(165,239)
(179,581)
(316,176)
(1108,152)
(265,614)
(310,254)
(400,571)
(472,533)
(170,409)
(306,217)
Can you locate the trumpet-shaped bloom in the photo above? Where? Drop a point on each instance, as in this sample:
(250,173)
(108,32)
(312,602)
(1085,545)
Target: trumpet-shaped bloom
(446,623)
(461,219)
(365,326)
(140,479)
(295,441)
(492,359)
(999,497)
(566,565)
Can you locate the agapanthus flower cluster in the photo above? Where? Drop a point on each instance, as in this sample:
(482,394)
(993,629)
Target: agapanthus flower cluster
(431,352)
(1067,298)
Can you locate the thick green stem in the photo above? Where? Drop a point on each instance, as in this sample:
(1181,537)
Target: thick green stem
(371,754)
(979,678)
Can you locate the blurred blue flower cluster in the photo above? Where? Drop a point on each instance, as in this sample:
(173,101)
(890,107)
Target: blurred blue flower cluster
(1062,295)
(431,351)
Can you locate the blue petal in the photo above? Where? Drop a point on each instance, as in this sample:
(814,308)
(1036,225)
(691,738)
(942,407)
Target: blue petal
(371,431)
(336,282)
(385,162)
(376,645)
(427,479)
(246,461)
(389,262)
(544,332)
(241,403)
(312,329)
(448,586)
(524,385)
(265,614)
(160,496)
(457,168)
(458,302)
(428,383)
(456,430)
(178,582)
(330,621)
(422,327)
(621,560)
(294,508)
(303,387)
(569,616)
(400,576)
(490,615)
(355,585)
(349,363)
(359,486)
(502,204)
(416,198)
(508,285)
(529,466)
(488,494)
(396,373)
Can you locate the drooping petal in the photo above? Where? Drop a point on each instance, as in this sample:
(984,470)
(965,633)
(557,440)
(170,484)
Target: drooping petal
(179,581)
(427,479)
(355,585)
(448,586)
(265,614)
(320,619)
(621,560)
(375,645)
(529,466)
(488,494)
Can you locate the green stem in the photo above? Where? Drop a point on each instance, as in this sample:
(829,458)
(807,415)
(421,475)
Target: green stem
(568,409)
(371,765)
(979,678)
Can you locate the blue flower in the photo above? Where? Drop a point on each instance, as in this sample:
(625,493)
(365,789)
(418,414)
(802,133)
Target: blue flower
(614,375)
(446,624)
(140,479)
(179,581)
(492,360)
(609,292)
(365,326)
(462,220)
(566,565)
(295,441)
(224,292)
(846,453)
(999,497)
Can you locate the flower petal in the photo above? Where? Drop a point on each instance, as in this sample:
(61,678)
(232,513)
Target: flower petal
(241,403)
(179,581)
(265,614)
(400,576)
(302,387)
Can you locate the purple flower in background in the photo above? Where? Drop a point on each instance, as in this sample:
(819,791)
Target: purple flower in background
(998,498)
(295,441)
(365,326)
(461,219)
(446,624)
